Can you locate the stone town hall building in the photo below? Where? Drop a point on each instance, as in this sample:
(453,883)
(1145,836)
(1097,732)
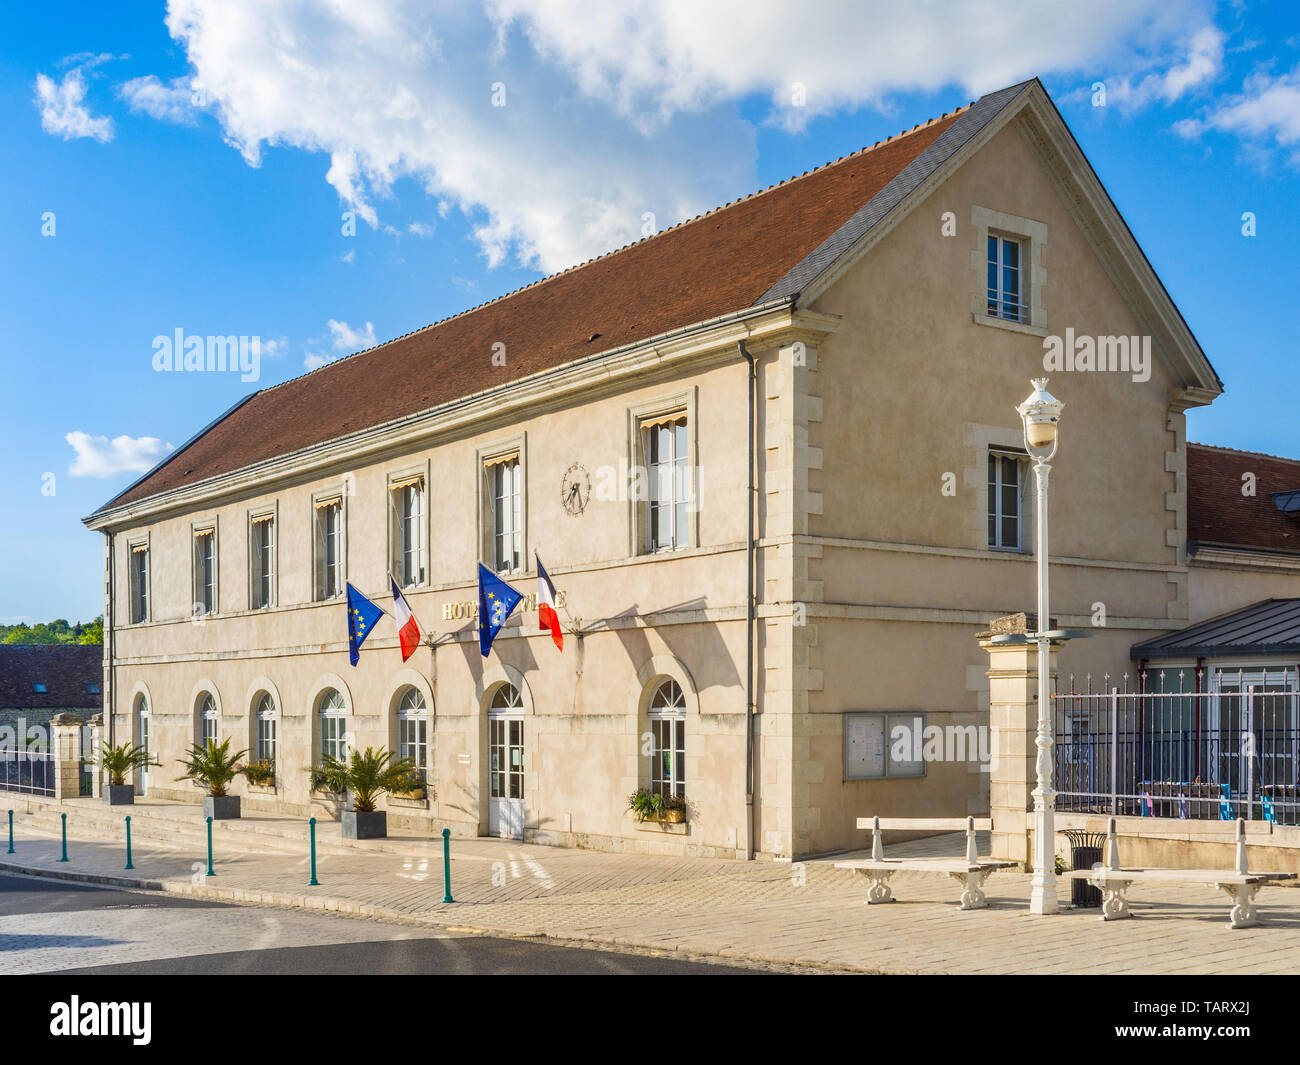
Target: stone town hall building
(817,384)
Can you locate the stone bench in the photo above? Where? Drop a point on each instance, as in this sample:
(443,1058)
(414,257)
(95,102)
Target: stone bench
(970,871)
(1239,884)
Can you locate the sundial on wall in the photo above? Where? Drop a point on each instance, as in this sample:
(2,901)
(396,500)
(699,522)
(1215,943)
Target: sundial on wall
(575,490)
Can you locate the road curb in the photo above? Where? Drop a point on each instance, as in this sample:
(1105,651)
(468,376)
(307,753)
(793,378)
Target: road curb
(104,879)
(334,904)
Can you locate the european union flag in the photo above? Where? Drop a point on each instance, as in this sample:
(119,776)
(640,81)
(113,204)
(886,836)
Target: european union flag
(362,615)
(496,600)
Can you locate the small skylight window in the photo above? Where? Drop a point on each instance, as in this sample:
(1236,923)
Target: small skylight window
(39,689)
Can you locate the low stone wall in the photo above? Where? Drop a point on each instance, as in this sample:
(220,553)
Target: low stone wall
(1191,844)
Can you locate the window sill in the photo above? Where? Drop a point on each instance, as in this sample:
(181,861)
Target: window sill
(1006,323)
(262,789)
(664,828)
(397,802)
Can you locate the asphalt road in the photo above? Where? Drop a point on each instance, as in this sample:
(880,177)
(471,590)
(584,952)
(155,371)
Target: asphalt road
(50,926)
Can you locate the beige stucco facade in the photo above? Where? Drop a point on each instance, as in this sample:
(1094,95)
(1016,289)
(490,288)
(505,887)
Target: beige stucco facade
(878,399)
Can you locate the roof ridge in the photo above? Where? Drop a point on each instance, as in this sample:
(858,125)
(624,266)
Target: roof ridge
(892,138)
(1242,451)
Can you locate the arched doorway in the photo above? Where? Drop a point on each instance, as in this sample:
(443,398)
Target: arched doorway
(506,780)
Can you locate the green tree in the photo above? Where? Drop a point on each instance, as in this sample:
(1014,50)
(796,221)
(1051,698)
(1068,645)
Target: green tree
(56,631)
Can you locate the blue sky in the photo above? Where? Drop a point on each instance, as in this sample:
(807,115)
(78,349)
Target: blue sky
(198,160)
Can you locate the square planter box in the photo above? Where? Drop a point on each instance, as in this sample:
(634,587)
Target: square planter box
(221,807)
(372,825)
(119,794)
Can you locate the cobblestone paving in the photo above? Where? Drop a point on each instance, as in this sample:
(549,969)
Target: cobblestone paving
(806,914)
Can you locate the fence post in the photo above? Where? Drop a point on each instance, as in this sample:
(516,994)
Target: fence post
(311,831)
(65,748)
(1013,725)
(1247,747)
(11,833)
(446,866)
(211,872)
(1114,750)
(128,842)
(63,819)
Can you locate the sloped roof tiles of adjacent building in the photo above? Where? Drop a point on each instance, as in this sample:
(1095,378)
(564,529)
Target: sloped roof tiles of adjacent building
(1266,628)
(757,249)
(67,672)
(1219,514)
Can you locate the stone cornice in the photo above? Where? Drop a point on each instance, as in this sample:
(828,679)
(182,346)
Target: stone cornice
(1242,557)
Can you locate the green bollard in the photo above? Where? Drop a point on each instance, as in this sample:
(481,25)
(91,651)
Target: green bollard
(128,842)
(64,820)
(11,832)
(210,870)
(311,825)
(446,865)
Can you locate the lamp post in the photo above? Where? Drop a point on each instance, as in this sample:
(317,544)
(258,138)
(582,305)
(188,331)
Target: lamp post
(1041,414)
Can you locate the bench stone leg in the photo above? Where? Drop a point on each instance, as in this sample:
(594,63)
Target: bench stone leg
(878,891)
(972,896)
(1243,914)
(1114,906)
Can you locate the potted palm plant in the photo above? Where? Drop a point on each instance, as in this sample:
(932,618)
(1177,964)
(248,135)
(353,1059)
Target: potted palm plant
(212,766)
(117,762)
(365,776)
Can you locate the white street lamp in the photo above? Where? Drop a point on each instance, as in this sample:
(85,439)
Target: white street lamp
(1041,415)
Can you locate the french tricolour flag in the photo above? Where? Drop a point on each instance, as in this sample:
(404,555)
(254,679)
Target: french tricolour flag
(546,614)
(408,629)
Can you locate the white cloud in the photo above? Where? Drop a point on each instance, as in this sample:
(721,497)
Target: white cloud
(615,110)
(97,456)
(348,340)
(1268,110)
(167,103)
(342,340)
(653,58)
(421,229)
(63,110)
(1200,62)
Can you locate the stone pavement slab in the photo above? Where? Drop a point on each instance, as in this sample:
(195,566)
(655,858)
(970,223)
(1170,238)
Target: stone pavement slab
(807,913)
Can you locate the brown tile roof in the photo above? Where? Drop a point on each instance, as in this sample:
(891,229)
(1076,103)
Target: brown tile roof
(64,669)
(718,263)
(1217,512)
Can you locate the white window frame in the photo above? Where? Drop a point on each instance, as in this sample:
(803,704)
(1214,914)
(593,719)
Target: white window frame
(209,716)
(1031,236)
(413,719)
(139,594)
(408,536)
(1000,300)
(266,728)
(203,600)
(503,452)
(338,718)
(643,487)
(321,503)
(995,460)
(259,598)
(668,722)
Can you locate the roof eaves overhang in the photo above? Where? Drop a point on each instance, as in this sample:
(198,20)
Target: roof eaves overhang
(774,322)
